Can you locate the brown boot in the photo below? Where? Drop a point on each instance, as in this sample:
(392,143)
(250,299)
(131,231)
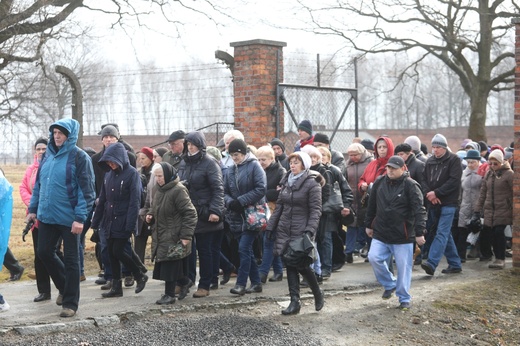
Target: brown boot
(497,264)
(201,293)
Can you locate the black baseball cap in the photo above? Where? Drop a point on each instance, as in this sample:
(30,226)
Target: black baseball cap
(395,162)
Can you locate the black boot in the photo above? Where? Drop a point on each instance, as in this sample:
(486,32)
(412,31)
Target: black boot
(115,291)
(319,300)
(293,280)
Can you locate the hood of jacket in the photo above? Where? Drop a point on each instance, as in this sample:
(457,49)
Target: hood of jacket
(390,151)
(197,138)
(115,153)
(70,125)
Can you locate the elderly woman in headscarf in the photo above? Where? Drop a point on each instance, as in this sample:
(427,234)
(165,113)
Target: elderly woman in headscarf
(298,211)
(174,217)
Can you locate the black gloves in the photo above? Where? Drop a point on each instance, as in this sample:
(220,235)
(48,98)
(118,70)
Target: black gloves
(475,225)
(309,234)
(236,206)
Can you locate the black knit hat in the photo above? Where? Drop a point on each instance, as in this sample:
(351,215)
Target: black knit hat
(61,128)
(483,146)
(368,144)
(305,125)
(41,140)
(405,148)
(322,138)
(237,146)
(179,134)
(278,142)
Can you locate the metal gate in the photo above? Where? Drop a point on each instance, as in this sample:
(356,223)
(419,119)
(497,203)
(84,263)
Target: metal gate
(332,111)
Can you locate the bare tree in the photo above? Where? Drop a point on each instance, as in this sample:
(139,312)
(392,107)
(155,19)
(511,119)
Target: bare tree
(470,37)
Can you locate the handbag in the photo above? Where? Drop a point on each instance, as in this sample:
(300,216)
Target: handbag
(178,251)
(257,217)
(334,204)
(300,252)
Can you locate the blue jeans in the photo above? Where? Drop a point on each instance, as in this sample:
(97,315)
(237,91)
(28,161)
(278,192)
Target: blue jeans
(248,266)
(268,259)
(403,254)
(442,243)
(354,239)
(204,244)
(325,251)
(65,274)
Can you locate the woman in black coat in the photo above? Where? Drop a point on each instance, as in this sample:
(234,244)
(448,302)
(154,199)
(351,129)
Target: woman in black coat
(116,213)
(298,211)
(202,176)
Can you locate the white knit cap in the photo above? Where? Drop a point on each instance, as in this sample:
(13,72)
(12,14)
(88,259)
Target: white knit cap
(497,155)
(306,159)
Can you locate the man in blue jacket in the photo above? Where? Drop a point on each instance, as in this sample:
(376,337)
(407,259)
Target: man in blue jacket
(63,196)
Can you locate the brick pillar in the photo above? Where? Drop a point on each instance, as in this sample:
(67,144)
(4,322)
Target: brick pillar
(255,84)
(516,181)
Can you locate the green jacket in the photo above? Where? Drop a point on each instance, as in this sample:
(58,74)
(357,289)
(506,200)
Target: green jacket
(174,215)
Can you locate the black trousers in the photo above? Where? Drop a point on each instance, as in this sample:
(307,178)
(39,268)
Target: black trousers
(43,279)
(118,255)
(11,263)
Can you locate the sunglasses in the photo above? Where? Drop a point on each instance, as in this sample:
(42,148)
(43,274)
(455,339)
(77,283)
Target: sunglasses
(492,163)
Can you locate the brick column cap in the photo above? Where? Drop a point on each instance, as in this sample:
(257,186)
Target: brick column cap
(258,41)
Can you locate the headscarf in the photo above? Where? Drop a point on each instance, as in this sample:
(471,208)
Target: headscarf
(169,172)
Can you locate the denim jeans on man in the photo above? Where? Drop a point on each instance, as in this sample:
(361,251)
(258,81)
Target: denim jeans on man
(403,254)
(355,239)
(65,274)
(268,259)
(443,243)
(248,266)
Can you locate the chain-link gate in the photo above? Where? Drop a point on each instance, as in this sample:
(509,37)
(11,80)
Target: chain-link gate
(330,110)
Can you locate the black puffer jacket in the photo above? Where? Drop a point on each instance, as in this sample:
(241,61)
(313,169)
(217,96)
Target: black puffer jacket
(274,174)
(395,210)
(119,201)
(415,168)
(442,175)
(202,176)
(298,209)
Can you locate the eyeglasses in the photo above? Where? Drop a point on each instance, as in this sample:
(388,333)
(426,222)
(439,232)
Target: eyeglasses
(493,163)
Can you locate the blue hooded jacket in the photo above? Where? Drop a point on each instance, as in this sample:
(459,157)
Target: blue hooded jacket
(64,190)
(120,197)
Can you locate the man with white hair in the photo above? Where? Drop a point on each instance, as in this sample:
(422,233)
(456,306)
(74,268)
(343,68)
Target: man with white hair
(227,161)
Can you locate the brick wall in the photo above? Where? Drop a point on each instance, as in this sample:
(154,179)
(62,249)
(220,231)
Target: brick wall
(255,81)
(516,183)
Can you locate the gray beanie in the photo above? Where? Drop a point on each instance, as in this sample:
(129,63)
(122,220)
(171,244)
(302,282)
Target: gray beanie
(414,142)
(439,140)
(109,130)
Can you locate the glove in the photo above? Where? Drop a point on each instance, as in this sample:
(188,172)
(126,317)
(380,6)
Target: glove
(475,216)
(309,234)
(236,206)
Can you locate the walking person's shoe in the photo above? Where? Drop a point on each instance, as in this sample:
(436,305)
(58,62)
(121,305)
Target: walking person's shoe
(387,294)
(293,308)
(200,293)
(16,276)
(276,277)
(451,270)
(263,278)
(59,300)
(4,306)
(141,283)
(107,286)
(254,289)
(183,290)
(405,306)
(213,286)
(349,258)
(32,276)
(129,281)
(116,290)
(428,268)
(227,275)
(82,277)
(165,299)
(41,297)
(100,281)
(240,290)
(497,264)
(65,312)
(319,301)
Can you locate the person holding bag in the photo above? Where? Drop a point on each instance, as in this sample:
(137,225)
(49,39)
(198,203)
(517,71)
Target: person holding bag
(244,185)
(174,218)
(297,213)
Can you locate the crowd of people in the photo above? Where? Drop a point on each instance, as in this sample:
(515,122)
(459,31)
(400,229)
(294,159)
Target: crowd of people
(236,210)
